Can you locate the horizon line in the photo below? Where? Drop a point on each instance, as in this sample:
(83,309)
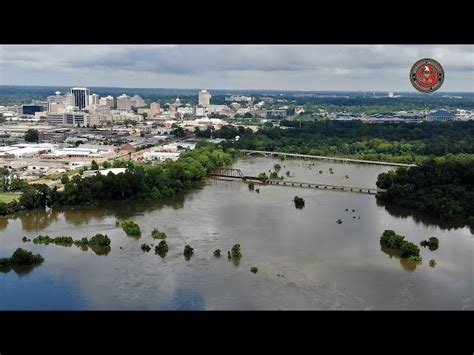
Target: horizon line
(216,89)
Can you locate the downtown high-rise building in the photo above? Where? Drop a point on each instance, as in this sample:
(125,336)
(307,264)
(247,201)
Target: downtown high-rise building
(56,102)
(81,97)
(94,99)
(107,101)
(204,98)
(137,101)
(124,102)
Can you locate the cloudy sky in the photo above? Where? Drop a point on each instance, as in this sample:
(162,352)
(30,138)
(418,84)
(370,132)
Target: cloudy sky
(292,67)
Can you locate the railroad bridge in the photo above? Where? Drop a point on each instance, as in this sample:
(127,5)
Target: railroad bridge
(230,173)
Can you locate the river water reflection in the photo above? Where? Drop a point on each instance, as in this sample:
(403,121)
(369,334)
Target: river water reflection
(305,259)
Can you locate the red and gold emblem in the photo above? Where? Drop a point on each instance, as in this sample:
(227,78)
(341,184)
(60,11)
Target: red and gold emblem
(427,75)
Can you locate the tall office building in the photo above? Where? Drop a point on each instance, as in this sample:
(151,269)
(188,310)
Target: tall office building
(81,97)
(107,101)
(56,102)
(69,100)
(137,101)
(204,98)
(124,102)
(94,99)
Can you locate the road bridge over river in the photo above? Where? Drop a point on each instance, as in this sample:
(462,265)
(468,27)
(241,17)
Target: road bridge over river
(319,157)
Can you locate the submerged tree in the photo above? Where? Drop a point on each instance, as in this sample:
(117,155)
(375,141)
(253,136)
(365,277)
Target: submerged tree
(188,251)
(156,234)
(131,228)
(162,248)
(21,257)
(236,251)
(432,243)
(299,202)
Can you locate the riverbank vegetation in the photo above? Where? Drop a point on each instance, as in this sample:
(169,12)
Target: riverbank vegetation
(441,187)
(140,181)
(395,142)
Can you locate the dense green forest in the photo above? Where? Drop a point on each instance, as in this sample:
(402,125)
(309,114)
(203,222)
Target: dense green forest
(139,181)
(397,142)
(442,187)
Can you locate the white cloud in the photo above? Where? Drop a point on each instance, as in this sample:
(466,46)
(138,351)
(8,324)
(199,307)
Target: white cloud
(305,67)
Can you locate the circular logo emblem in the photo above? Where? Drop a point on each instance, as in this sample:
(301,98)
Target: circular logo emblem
(427,75)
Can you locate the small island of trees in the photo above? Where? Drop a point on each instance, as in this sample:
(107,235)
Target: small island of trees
(21,257)
(408,250)
(99,243)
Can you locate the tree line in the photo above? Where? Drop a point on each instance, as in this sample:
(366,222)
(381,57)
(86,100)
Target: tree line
(442,187)
(397,142)
(139,181)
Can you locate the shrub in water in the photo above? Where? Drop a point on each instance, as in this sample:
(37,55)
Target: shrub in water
(156,234)
(131,228)
(236,251)
(299,202)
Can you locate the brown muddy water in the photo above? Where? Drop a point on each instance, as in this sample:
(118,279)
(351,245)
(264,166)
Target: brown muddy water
(305,259)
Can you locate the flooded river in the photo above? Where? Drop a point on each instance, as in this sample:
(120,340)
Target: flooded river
(305,259)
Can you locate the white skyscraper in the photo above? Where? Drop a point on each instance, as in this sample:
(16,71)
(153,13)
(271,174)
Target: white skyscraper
(107,101)
(94,99)
(56,102)
(124,102)
(69,100)
(204,98)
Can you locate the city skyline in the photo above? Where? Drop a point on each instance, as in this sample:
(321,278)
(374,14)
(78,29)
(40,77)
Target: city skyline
(233,67)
